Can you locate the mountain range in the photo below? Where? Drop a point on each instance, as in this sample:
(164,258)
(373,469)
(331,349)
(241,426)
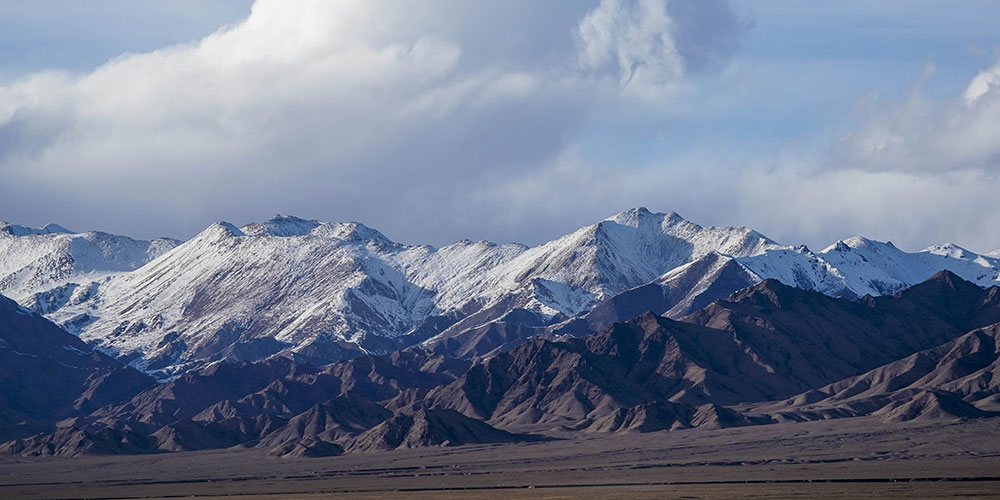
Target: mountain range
(766,354)
(325,292)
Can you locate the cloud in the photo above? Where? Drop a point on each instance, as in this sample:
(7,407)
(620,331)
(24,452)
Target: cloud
(500,123)
(913,211)
(350,110)
(922,135)
(790,198)
(633,39)
(984,83)
(916,172)
(651,45)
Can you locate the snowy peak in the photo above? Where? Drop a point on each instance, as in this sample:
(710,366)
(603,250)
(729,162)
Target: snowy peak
(282,226)
(950,250)
(19,230)
(710,264)
(357,232)
(854,243)
(33,260)
(330,290)
(672,223)
(633,217)
(632,248)
(217,231)
(228,228)
(288,226)
(858,266)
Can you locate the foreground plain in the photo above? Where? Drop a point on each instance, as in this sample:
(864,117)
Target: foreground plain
(848,458)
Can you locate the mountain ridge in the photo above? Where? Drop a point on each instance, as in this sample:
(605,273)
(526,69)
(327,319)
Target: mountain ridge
(328,291)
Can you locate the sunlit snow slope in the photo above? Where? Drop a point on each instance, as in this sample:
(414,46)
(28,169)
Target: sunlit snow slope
(47,268)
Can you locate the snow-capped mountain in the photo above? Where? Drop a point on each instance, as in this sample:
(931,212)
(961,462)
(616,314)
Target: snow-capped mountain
(62,263)
(326,291)
(850,268)
(858,266)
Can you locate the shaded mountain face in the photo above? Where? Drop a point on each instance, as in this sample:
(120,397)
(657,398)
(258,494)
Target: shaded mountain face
(825,339)
(958,379)
(765,342)
(428,428)
(487,340)
(665,415)
(280,387)
(236,403)
(649,365)
(320,428)
(186,396)
(681,291)
(47,374)
(71,442)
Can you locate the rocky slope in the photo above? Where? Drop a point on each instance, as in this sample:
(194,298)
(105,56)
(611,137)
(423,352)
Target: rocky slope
(899,357)
(956,380)
(71,442)
(677,293)
(281,406)
(318,430)
(47,374)
(765,342)
(428,428)
(822,339)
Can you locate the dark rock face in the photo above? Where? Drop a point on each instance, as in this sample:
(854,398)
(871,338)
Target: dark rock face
(187,395)
(189,435)
(428,428)
(658,416)
(816,339)
(676,294)
(485,340)
(284,406)
(320,428)
(71,442)
(956,380)
(765,342)
(631,364)
(47,375)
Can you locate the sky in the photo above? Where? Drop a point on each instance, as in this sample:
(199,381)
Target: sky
(440,120)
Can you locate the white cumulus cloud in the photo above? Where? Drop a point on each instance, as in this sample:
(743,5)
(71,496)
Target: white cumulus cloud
(386,112)
(635,39)
(925,135)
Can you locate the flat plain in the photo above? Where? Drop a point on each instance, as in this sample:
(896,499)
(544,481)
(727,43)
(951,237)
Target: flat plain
(847,458)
